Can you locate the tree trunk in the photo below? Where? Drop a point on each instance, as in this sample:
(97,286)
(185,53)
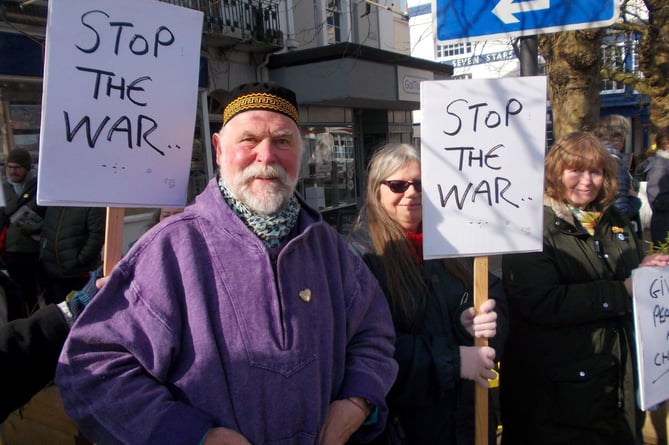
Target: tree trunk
(573,62)
(654,61)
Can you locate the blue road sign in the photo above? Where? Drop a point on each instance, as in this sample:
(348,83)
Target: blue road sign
(490,19)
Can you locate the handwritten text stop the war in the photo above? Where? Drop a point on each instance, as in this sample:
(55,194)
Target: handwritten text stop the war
(461,116)
(117,39)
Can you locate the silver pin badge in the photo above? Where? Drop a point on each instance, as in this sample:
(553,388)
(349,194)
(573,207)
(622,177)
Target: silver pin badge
(305,295)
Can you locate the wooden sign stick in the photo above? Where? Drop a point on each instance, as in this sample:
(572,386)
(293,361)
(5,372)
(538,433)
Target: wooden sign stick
(481,394)
(114,239)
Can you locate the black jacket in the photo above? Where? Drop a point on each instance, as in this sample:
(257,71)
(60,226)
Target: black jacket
(567,376)
(434,405)
(72,240)
(29,350)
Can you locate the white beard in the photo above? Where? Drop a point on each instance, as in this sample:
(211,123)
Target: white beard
(269,199)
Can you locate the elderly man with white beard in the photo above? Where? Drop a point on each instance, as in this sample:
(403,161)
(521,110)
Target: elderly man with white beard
(243,320)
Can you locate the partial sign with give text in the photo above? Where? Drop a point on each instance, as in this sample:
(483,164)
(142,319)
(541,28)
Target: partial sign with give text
(651,322)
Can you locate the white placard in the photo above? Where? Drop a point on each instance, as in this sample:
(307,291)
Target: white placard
(119,103)
(651,324)
(482,145)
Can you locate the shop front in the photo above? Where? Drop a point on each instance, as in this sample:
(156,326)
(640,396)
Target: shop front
(20,92)
(353,99)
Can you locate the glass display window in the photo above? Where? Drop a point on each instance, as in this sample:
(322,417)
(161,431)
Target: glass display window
(328,179)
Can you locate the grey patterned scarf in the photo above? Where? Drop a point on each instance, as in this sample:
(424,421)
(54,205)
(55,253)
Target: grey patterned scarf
(271,229)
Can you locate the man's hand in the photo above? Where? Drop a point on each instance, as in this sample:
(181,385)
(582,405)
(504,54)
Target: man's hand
(655,260)
(652,260)
(101,281)
(342,420)
(224,436)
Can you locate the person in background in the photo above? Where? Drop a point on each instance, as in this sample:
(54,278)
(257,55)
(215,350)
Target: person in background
(432,399)
(568,371)
(166,212)
(157,216)
(70,247)
(23,218)
(244,319)
(613,130)
(29,348)
(657,168)
(162,213)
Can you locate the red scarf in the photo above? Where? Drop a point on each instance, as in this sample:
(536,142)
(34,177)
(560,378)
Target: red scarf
(416,241)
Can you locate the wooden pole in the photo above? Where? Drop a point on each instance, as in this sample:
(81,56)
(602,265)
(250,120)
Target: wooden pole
(113,239)
(481,394)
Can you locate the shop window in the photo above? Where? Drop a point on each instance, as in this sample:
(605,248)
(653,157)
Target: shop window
(328,179)
(24,124)
(25,119)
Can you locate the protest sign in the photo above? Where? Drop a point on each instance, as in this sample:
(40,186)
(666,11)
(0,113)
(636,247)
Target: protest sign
(119,103)
(651,323)
(483,143)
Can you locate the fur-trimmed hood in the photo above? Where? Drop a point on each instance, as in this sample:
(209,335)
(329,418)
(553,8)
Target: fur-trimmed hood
(561,209)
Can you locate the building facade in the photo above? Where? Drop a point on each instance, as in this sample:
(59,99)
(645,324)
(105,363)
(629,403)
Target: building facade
(491,59)
(348,61)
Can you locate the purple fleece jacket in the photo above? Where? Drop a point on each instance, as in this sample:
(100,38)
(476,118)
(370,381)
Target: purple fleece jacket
(194,330)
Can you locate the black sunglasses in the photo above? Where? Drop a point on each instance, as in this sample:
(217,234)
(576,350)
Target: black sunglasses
(399,186)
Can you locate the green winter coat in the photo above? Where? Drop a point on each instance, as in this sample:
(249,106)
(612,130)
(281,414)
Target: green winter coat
(567,376)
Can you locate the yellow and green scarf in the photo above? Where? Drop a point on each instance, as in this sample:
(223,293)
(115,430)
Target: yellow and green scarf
(587,218)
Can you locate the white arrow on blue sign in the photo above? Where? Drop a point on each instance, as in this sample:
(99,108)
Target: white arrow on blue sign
(491,19)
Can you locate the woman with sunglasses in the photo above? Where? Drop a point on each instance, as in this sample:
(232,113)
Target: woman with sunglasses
(568,370)
(431,302)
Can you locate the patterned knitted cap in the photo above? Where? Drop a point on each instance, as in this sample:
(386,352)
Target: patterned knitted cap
(261,96)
